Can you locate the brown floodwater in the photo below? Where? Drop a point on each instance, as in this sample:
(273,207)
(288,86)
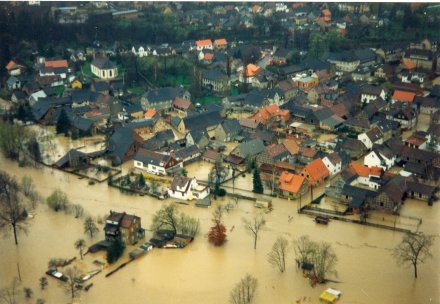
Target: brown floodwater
(202,273)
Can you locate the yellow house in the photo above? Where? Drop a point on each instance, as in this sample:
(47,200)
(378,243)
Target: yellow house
(76,84)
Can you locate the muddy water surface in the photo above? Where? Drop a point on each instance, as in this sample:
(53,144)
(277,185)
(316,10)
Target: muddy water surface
(204,274)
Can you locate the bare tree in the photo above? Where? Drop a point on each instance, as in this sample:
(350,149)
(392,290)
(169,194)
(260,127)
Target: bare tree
(80,245)
(244,291)
(414,249)
(8,294)
(217,175)
(166,218)
(43,283)
(277,256)
(324,261)
(77,210)
(254,226)
(73,277)
(90,227)
(13,213)
(28,292)
(303,248)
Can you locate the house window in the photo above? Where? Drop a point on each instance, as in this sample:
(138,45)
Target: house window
(110,73)
(381,204)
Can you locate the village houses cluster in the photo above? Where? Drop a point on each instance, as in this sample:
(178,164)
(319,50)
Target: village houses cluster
(324,121)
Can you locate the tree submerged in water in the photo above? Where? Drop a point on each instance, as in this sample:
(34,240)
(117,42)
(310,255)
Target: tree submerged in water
(320,256)
(13,213)
(244,291)
(169,218)
(217,233)
(414,249)
(115,251)
(258,185)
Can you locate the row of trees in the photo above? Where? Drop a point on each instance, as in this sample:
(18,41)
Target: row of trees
(18,143)
(170,218)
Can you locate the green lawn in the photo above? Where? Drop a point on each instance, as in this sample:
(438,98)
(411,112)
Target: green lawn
(87,69)
(59,89)
(209,99)
(137,90)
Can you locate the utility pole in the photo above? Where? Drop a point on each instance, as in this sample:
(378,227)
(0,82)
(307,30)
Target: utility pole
(273,179)
(19,273)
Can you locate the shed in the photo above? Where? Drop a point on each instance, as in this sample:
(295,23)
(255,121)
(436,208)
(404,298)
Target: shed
(263,203)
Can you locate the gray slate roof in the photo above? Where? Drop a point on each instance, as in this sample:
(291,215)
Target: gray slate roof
(163,94)
(251,148)
(120,141)
(103,63)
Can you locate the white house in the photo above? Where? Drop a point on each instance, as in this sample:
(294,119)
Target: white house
(187,188)
(103,68)
(37,95)
(156,163)
(373,136)
(381,157)
(204,45)
(13,83)
(333,163)
(141,51)
(370,93)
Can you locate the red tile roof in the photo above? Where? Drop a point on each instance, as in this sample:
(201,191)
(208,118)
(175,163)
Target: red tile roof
(150,113)
(376,171)
(252,70)
(204,42)
(403,96)
(220,42)
(317,169)
(408,64)
(56,64)
(360,170)
(209,56)
(181,103)
(264,114)
(12,65)
(290,182)
(291,146)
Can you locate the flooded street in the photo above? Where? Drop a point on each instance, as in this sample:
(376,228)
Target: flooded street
(202,273)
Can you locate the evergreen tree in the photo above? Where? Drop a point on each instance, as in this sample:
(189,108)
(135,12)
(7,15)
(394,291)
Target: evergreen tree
(63,123)
(115,251)
(258,186)
(141,180)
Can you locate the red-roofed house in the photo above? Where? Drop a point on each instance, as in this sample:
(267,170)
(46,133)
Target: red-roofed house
(205,44)
(220,43)
(14,68)
(403,96)
(208,57)
(363,173)
(182,105)
(150,113)
(123,227)
(315,172)
(292,185)
(56,64)
(271,113)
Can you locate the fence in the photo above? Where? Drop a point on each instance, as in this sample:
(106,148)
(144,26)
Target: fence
(304,210)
